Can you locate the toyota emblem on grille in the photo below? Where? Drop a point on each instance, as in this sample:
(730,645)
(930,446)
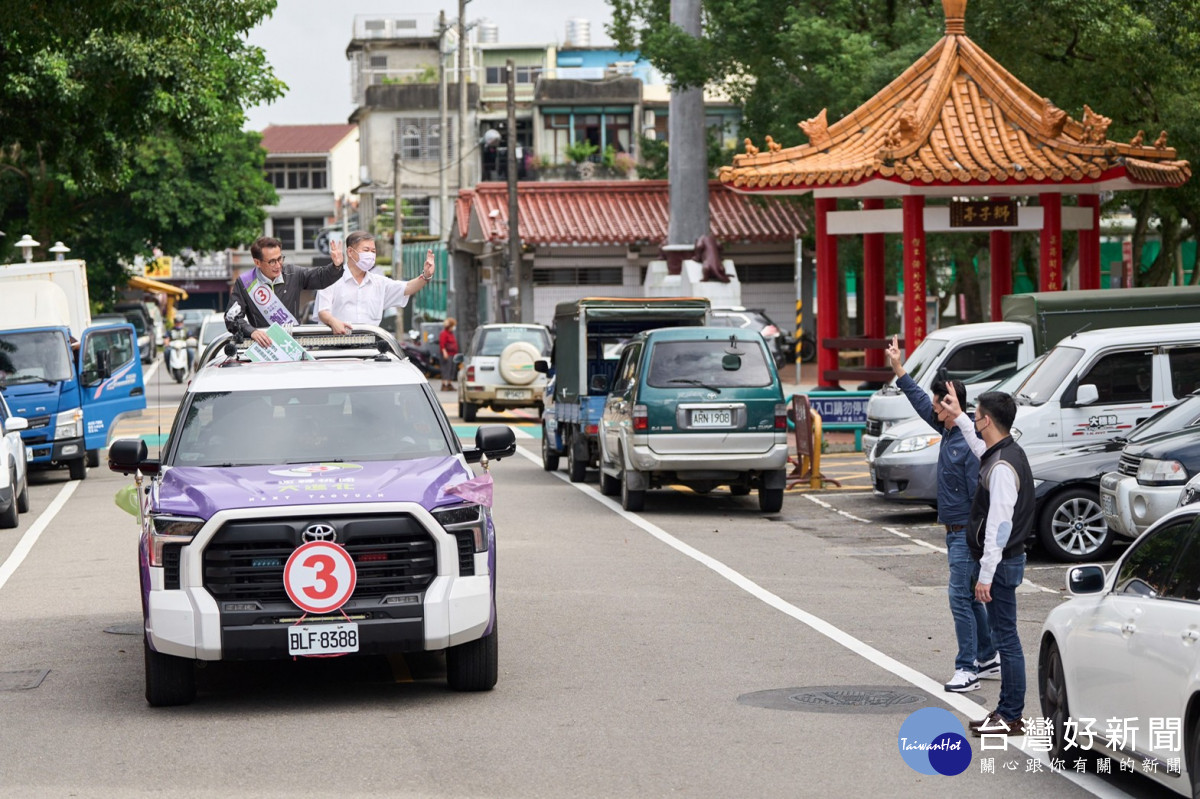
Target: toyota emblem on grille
(319,532)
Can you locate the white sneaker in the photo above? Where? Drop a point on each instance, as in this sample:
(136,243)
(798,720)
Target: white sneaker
(962,681)
(989,670)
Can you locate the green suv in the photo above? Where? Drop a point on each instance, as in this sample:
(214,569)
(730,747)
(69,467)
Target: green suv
(697,406)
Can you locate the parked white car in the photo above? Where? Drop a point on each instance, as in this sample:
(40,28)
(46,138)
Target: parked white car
(14,469)
(1121,658)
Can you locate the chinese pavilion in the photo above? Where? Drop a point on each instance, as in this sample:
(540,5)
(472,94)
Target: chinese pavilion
(955,124)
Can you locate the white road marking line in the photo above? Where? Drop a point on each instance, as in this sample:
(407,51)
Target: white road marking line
(17,556)
(896,532)
(1089,782)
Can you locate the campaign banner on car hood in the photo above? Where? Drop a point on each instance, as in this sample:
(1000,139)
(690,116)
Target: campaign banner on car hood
(202,491)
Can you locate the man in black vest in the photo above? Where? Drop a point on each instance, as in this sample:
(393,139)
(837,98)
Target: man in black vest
(1001,521)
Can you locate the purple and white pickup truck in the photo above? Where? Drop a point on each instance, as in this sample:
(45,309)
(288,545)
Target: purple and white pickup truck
(314,508)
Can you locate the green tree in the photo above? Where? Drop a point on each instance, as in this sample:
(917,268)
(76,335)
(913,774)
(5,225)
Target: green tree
(93,93)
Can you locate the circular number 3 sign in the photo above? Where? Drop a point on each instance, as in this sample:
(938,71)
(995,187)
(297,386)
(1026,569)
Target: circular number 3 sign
(319,577)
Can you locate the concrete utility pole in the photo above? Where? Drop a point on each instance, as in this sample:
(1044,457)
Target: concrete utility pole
(514,240)
(397,240)
(443,139)
(462,94)
(687,166)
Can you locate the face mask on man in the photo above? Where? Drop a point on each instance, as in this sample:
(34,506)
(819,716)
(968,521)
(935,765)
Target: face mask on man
(366,261)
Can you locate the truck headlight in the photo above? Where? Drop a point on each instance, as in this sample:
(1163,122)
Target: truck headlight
(68,425)
(1153,472)
(171,530)
(463,521)
(915,443)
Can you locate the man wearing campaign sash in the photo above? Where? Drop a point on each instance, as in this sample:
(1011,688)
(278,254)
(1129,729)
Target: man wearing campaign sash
(271,291)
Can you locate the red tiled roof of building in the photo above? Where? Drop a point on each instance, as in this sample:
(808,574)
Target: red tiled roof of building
(278,139)
(956,117)
(619,212)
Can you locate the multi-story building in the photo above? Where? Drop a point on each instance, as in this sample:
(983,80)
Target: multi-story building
(314,169)
(395,65)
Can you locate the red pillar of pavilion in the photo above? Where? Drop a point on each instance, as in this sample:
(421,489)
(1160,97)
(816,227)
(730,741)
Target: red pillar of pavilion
(1000,250)
(913,210)
(1089,245)
(827,293)
(1050,268)
(874,317)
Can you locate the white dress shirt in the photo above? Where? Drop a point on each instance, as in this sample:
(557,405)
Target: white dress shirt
(362,303)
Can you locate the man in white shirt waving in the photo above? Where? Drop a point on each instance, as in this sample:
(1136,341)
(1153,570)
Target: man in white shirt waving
(362,295)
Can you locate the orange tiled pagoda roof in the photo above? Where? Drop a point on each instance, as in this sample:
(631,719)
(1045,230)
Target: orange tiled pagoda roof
(955,118)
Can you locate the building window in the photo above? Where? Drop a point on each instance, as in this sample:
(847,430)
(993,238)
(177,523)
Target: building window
(577,276)
(284,229)
(379,62)
(602,127)
(416,215)
(418,139)
(496,76)
(310,226)
(297,174)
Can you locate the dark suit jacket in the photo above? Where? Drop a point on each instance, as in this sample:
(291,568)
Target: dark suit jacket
(295,280)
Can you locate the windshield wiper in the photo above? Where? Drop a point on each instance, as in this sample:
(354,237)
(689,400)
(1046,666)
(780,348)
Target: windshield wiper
(693,382)
(30,379)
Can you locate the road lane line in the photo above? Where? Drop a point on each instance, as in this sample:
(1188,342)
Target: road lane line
(1089,782)
(896,532)
(17,556)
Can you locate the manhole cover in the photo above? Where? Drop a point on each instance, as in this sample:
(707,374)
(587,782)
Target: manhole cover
(22,680)
(124,629)
(838,699)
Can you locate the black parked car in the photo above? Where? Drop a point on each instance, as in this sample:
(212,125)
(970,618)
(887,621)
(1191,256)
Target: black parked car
(1070,524)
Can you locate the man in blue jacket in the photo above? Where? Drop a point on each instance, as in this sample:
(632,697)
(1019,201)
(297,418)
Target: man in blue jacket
(958,475)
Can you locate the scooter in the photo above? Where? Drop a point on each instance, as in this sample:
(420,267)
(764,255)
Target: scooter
(177,358)
(419,356)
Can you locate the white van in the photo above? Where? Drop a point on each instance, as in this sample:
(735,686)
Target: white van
(1099,384)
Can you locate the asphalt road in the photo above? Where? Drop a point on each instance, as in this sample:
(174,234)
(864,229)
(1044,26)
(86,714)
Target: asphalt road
(630,646)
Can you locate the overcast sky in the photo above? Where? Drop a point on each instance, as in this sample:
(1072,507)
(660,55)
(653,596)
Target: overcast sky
(306,43)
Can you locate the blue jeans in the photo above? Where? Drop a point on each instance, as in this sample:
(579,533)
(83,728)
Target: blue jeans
(1003,613)
(970,615)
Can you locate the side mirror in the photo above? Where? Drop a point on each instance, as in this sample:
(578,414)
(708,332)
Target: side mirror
(494,440)
(16,423)
(599,383)
(129,455)
(541,365)
(1086,394)
(1085,580)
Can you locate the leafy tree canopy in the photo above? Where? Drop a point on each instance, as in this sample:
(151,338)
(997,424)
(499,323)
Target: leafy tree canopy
(1136,61)
(120,125)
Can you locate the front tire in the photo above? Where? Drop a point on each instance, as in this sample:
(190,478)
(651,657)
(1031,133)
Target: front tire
(1052,691)
(1071,527)
(23,497)
(93,458)
(475,665)
(78,468)
(770,500)
(170,680)
(9,518)
(549,456)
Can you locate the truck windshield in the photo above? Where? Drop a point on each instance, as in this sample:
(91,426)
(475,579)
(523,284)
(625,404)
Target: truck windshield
(37,356)
(708,364)
(923,356)
(309,425)
(1049,375)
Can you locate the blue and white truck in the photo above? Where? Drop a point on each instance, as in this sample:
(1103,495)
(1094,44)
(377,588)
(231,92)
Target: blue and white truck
(71,381)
